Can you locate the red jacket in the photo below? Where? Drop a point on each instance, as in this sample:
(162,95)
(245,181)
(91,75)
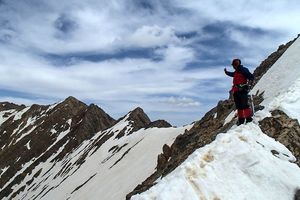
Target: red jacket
(240,77)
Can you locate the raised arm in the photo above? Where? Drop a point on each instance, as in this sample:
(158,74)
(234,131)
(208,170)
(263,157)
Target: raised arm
(231,74)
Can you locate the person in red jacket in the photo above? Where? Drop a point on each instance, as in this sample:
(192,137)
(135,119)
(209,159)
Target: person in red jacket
(241,77)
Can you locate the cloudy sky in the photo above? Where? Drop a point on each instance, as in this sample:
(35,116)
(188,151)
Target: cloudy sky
(166,56)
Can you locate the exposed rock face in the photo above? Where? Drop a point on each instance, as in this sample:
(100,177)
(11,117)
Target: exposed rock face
(283,129)
(29,136)
(159,124)
(163,158)
(9,106)
(139,119)
(205,130)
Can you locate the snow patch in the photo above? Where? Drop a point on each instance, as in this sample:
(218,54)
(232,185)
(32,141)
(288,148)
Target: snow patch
(3,170)
(6,112)
(20,113)
(230,117)
(53,131)
(28,145)
(289,102)
(51,107)
(215,115)
(25,134)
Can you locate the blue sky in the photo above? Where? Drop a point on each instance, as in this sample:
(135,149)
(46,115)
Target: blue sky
(164,56)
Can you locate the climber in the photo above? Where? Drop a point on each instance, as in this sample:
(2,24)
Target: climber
(242,78)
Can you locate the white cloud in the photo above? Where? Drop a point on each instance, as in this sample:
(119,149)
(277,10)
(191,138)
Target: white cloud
(26,101)
(273,15)
(151,36)
(177,55)
(182,101)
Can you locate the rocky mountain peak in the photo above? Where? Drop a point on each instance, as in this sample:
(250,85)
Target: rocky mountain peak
(96,119)
(8,106)
(159,124)
(71,99)
(139,117)
(69,107)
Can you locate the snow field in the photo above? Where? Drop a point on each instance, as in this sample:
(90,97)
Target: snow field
(239,164)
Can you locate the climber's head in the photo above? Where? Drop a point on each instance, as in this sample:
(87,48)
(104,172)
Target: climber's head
(236,62)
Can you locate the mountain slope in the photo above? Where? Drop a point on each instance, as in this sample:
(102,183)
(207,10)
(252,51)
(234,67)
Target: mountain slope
(277,90)
(73,151)
(31,135)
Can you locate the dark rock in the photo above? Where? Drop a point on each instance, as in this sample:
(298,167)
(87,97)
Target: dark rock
(274,152)
(139,117)
(159,124)
(297,195)
(121,133)
(167,151)
(161,162)
(9,106)
(283,129)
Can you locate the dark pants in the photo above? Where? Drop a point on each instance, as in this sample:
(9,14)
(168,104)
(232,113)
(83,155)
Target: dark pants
(241,100)
(241,103)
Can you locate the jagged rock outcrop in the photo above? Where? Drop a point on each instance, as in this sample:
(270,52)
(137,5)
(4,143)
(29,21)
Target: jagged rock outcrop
(9,106)
(163,158)
(31,135)
(283,129)
(204,131)
(159,124)
(139,119)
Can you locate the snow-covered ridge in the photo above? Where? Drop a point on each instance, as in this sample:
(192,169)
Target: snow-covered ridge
(243,163)
(281,83)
